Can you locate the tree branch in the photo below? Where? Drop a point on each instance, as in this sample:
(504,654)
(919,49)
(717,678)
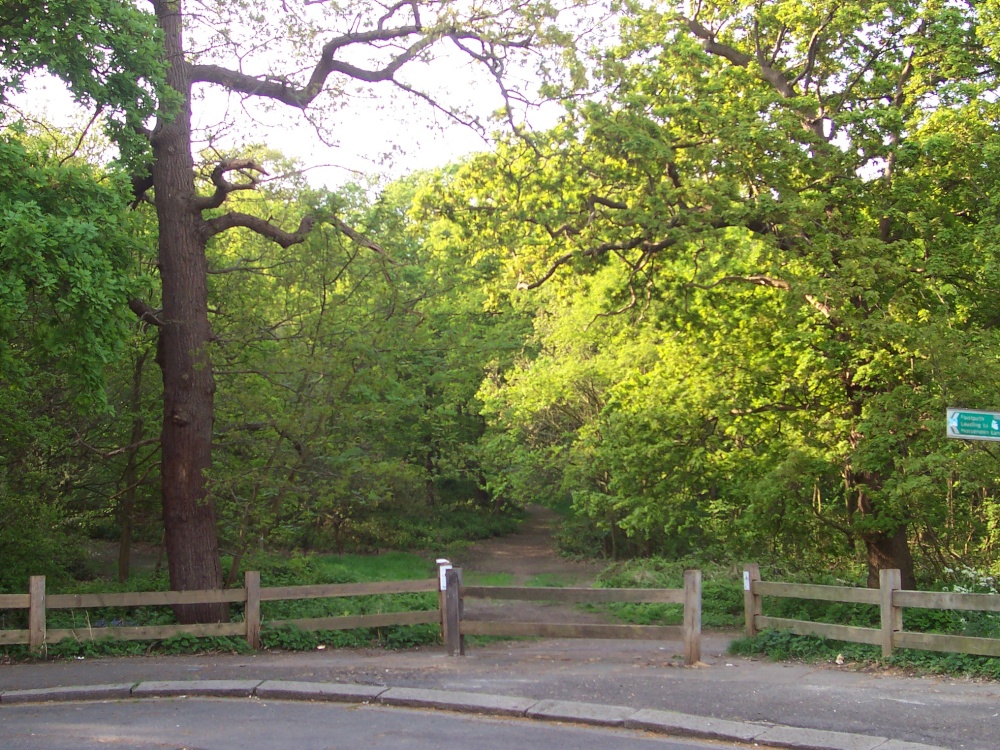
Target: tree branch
(821,307)
(263,227)
(812,50)
(771,75)
(767,408)
(137,483)
(472,124)
(118,451)
(140,184)
(241,266)
(223,187)
(494,63)
(282,90)
(758,279)
(83,135)
(359,238)
(144,312)
(647,247)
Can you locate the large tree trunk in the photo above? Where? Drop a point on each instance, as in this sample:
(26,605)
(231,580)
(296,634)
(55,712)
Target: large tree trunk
(188,386)
(887,551)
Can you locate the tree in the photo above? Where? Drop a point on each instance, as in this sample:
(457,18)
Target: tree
(331,49)
(348,378)
(106,51)
(68,246)
(783,162)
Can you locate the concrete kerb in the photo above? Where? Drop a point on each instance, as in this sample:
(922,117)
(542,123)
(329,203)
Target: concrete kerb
(686,725)
(650,720)
(814,739)
(445,700)
(196,688)
(117,691)
(291,690)
(580,713)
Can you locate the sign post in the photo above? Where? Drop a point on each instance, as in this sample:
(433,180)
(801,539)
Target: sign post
(973,424)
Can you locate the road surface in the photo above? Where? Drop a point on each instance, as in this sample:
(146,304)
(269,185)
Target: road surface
(205,724)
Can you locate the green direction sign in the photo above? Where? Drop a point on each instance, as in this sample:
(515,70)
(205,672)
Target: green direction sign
(970,424)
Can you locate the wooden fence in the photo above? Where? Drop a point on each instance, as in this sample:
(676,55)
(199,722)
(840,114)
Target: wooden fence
(251,595)
(456,625)
(448,613)
(891,600)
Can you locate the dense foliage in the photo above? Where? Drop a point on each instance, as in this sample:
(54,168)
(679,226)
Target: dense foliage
(719,310)
(761,263)
(106,51)
(68,250)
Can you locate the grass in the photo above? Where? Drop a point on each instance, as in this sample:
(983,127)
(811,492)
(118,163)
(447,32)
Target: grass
(448,529)
(549,580)
(280,570)
(444,529)
(722,593)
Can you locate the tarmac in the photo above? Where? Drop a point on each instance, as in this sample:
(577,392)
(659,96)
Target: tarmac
(635,685)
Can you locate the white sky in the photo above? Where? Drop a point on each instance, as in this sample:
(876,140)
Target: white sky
(384,136)
(372,131)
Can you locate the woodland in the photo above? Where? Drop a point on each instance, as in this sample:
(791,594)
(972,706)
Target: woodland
(715,312)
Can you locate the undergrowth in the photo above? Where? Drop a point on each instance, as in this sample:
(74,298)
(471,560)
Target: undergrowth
(722,608)
(782,645)
(721,592)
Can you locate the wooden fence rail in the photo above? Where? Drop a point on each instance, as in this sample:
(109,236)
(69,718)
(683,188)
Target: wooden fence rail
(891,600)
(456,625)
(251,595)
(448,613)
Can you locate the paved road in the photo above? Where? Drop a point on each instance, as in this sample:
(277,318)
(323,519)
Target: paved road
(950,713)
(200,724)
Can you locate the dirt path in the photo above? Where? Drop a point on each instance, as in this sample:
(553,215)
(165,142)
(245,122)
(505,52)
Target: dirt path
(531,559)
(529,554)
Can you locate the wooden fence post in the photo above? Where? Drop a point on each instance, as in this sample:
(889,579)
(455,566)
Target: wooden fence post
(443,566)
(892,617)
(692,617)
(461,612)
(36,613)
(453,612)
(753,604)
(251,612)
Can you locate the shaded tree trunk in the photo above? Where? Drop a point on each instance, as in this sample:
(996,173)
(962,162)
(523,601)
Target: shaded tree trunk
(887,551)
(182,352)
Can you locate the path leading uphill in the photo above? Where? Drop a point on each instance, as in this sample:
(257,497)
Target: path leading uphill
(530,558)
(530,553)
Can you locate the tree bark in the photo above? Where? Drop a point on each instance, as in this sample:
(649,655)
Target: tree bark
(887,551)
(182,350)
